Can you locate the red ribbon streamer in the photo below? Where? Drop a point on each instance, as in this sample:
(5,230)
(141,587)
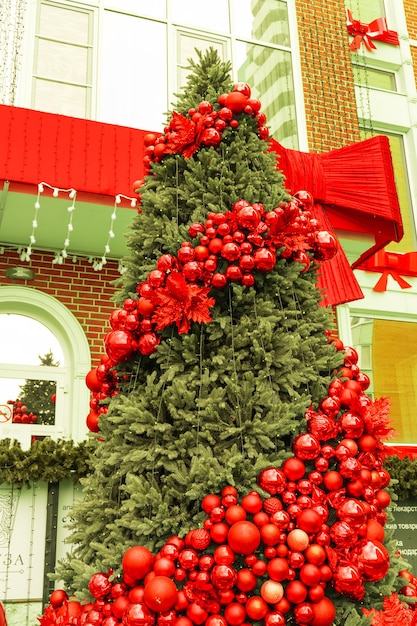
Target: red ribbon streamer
(362,32)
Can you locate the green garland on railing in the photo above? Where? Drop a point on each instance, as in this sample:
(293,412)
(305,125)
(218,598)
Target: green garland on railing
(404,471)
(51,461)
(46,460)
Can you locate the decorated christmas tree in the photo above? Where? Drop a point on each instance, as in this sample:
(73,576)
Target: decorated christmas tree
(237,474)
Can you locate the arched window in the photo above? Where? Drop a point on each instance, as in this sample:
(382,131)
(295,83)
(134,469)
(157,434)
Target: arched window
(44,357)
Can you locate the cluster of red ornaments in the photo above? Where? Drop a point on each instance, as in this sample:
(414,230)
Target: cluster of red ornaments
(229,247)
(203,126)
(21,415)
(272,558)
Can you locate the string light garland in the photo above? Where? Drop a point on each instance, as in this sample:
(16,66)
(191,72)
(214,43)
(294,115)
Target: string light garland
(99,263)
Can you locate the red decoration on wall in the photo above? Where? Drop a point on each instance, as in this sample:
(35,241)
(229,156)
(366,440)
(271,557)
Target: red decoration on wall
(365,33)
(392,264)
(354,190)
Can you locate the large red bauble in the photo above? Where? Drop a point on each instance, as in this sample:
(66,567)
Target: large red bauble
(99,585)
(92,421)
(219,532)
(209,502)
(196,613)
(137,561)
(270,534)
(272,480)
(297,540)
(235,101)
(310,574)
(92,382)
(296,591)
(309,520)
(306,447)
(244,537)
(119,345)
(352,512)
(137,615)
(160,594)
(375,531)
(324,612)
(294,468)
(278,569)
(256,608)
(164,567)
(272,591)
(264,260)
(57,598)
(234,614)
(373,560)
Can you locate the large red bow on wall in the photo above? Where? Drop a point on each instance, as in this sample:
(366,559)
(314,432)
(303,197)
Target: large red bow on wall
(392,264)
(354,190)
(362,32)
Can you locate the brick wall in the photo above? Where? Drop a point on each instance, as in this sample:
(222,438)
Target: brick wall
(85,292)
(327,75)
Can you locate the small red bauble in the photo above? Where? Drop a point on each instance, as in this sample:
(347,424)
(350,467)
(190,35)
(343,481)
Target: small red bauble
(324,612)
(294,468)
(309,520)
(120,605)
(270,534)
(306,447)
(196,613)
(278,569)
(297,540)
(164,567)
(234,614)
(264,260)
(223,577)
(246,580)
(252,502)
(272,591)
(224,555)
(219,532)
(272,480)
(57,598)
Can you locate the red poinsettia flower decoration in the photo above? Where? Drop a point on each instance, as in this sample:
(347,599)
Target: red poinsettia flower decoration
(184,135)
(377,419)
(180,302)
(394,612)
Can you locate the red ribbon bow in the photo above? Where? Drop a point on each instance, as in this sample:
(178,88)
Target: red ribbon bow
(361,32)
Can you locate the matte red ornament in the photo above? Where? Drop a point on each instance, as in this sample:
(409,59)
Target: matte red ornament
(324,612)
(294,468)
(256,608)
(137,561)
(92,421)
(244,537)
(57,598)
(296,592)
(309,520)
(160,593)
(234,614)
(92,382)
(147,343)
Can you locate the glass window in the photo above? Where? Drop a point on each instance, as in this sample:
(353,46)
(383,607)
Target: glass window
(392,366)
(30,379)
(133,65)
(212,16)
(187,44)
(366,10)
(269,72)
(370,77)
(156,8)
(262,20)
(63,60)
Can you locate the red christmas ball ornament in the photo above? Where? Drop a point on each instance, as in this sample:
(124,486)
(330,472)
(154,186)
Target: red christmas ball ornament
(246,580)
(224,555)
(137,562)
(235,513)
(99,585)
(373,560)
(316,554)
(219,532)
(92,382)
(324,612)
(296,592)
(223,576)
(352,512)
(306,447)
(309,520)
(119,345)
(57,598)
(234,614)
(278,569)
(275,618)
(210,137)
(306,199)
(243,88)
(256,608)
(297,540)
(219,280)
(252,502)
(214,620)
(209,502)
(342,534)
(303,613)
(272,591)
(160,593)
(332,480)
(196,613)
(148,343)
(325,245)
(270,534)
(244,537)
(164,566)
(265,260)
(294,468)
(272,480)
(136,615)
(248,217)
(92,421)
(120,605)
(236,101)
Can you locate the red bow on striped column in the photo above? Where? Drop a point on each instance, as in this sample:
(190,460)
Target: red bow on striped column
(361,32)
(354,190)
